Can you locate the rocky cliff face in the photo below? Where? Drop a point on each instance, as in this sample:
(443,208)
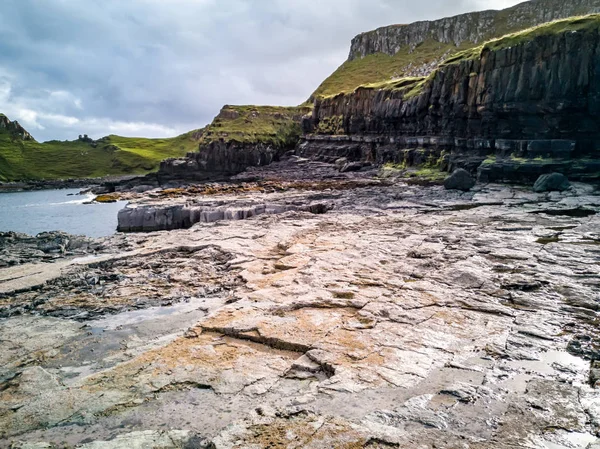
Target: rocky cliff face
(472,27)
(14,128)
(535,95)
(239,137)
(220,159)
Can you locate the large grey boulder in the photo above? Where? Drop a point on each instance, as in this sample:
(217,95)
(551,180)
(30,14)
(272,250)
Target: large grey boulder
(460,179)
(551,182)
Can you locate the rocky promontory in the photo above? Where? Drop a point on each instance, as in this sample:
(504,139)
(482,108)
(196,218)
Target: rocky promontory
(529,97)
(474,27)
(510,109)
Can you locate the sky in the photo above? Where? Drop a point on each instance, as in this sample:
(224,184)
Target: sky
(159,68)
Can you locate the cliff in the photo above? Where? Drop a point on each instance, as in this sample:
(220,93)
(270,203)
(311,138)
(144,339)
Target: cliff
(13,130)
(474,27)
(417,49)
(533,94)
(239,137)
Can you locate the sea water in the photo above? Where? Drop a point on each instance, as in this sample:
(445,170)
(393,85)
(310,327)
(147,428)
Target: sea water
(57,210)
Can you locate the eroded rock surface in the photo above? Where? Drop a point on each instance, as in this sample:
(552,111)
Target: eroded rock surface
(405,316)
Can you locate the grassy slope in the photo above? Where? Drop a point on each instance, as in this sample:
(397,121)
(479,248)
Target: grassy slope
(381,68)
(251,124)
(412,86)
(114,155)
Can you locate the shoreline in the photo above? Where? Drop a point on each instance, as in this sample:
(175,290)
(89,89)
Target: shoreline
(62,184)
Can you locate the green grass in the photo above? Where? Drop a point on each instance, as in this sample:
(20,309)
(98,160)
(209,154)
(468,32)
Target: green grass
(572,24)
(116,155)
(113,155)
(380,68)
(277,125)
(384,71)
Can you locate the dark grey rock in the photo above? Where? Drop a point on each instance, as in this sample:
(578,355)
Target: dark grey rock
(459,180)
(551,182)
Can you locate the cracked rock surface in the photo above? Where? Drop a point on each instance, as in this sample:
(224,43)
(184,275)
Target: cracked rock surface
(405,316)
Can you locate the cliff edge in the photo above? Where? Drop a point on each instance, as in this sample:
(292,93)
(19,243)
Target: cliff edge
(532,95)
(416,49)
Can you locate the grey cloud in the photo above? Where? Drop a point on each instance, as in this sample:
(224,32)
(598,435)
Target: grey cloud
(156,67)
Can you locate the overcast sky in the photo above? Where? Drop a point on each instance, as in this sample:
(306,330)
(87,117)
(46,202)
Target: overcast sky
(159,68)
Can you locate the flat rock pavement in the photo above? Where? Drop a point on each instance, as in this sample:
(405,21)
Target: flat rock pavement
(405,316)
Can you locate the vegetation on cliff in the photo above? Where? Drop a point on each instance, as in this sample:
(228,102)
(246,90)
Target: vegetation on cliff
(413,86)
(27,159)
(277,125)
(390,53)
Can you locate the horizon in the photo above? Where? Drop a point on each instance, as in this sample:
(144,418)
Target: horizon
(51,85)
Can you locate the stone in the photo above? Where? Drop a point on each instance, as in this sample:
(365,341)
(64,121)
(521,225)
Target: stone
(459,180)
(351,166)
(551,182)
(341,162)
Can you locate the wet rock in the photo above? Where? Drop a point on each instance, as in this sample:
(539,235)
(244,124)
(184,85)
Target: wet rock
(459,180)
(551,182)
(161,216)
(405,315)
(16,248)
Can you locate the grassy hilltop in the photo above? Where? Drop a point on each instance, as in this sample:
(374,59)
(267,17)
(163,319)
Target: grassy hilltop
(253,124)
(26,159)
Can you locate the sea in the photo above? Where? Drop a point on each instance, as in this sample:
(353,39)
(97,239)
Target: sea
(57,210)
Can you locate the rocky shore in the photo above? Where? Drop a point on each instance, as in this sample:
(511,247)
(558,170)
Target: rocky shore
(350,273)
(399,316)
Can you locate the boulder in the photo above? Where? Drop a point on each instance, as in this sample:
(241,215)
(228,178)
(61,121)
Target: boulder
(551,182)
(459,180)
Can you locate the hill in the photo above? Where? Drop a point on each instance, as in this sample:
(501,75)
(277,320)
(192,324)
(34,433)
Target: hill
(414,50)
(23,158)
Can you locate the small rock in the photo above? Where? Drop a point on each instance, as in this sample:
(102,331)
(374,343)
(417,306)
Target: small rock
(551,182)
(459,180)
(191,333)
(351,166)
(341,162)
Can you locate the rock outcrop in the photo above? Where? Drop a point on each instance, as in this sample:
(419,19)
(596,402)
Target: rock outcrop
(14,128)
(530,96)
(166,216)
(220,159)
(459,180)
(238,138)
(471,27)
(554,182)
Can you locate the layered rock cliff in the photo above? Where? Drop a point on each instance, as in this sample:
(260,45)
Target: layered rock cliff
(397,51)
(531,96)
(472,27)
(239,137)
(534,94)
